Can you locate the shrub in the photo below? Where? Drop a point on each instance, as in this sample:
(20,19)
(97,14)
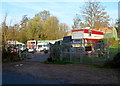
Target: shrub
(115,62)
(54,52)
(10,57)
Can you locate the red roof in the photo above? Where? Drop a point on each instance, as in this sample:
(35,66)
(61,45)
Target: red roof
(87,31)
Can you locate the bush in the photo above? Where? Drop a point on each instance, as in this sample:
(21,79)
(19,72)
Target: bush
(115,62)
(10,57)
(54,52)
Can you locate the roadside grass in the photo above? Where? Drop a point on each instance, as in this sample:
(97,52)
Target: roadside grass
(101,65)
(89,59)
(104,66)
(114,50)
(77,60)
(57,62)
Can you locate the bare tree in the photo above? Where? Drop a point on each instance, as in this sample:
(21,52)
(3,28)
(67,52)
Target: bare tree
(63,30)
(93,15)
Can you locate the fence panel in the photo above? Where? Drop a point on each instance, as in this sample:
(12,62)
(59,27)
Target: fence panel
(79,53)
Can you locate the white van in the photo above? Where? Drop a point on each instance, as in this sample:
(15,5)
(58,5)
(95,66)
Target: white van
(42,46)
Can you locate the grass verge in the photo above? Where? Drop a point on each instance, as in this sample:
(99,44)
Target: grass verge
(57,62)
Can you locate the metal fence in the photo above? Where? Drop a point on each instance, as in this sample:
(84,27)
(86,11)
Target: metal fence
(84,52)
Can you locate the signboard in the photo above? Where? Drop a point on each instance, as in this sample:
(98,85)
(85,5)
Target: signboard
(77,34)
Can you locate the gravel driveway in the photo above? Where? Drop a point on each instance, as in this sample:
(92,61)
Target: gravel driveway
(13,78)
(69,73)
(38,56)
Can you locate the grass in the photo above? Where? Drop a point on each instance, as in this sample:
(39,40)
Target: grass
(103,66)
(89,59)
(77,60)
(114,51)
(57,62)
(115,46)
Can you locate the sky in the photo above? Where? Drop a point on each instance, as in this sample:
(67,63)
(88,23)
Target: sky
(65,11)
